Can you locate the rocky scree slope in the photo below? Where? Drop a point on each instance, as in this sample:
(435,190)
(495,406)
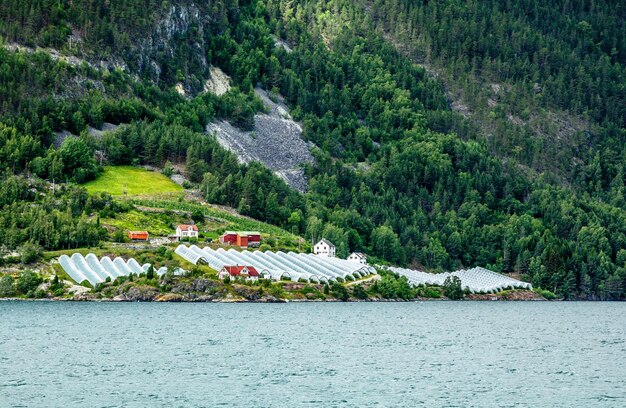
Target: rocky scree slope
(276,141)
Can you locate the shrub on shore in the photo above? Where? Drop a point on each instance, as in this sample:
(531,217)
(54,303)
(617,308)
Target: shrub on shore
(452,288)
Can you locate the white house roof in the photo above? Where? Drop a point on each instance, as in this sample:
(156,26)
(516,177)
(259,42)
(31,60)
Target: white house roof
(327,242)
(359,255)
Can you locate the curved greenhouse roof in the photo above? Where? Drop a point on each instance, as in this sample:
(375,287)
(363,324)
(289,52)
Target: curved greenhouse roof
(88,268)
(279,265)
(476,279)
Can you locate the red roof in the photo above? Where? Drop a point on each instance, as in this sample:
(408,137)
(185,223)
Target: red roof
(185,227)
(236,270)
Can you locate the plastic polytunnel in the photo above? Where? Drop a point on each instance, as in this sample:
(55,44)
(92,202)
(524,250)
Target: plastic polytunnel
(88,268)
(477,280)
(278,265)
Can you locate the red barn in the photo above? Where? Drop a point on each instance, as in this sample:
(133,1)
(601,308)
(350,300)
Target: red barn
(242,239)
(253,237)
(229,237)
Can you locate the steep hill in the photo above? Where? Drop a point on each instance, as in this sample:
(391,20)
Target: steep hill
(505,149)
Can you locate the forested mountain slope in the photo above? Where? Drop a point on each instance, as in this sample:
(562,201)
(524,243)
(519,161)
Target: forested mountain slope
(541,79)
(398,172)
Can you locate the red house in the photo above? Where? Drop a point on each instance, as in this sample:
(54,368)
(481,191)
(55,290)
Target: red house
(138,235)
(245,272)
(242,239)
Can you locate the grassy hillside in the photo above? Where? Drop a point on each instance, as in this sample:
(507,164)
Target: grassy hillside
(131,181)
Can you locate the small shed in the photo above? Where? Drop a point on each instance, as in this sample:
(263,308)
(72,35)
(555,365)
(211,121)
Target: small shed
(138,235)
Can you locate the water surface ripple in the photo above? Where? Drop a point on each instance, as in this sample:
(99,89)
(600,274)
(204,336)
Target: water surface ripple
(455,354)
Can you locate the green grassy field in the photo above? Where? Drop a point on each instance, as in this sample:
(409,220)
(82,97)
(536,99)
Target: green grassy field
(157,224)
(129,180)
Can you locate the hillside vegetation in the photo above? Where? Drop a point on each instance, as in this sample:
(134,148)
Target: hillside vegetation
(128,180)
(399,173)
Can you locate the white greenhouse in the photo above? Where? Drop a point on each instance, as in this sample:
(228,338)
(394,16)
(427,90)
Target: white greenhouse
(279,265)
(477,280)
(95,271)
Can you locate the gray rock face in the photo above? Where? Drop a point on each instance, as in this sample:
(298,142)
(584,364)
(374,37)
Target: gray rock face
(143,294)
(276,141)
(201,285)
(161,44)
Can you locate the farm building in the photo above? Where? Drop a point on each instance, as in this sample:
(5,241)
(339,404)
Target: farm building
(248,273)
(324,248)
(138,235)
(243,239)
(186,231)
(359,257)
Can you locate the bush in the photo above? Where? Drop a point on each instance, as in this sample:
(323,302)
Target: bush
(429,292)
(7,286)
(393,287)
(28,282)
(197,216)
(545,293)
(452,288)
(150,272)
(119,235)
(168,169)
(358,291)
(339,291)
(30,252)
(277,291)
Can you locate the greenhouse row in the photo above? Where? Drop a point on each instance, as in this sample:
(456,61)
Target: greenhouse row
(477,280)
(279,265)
(89,268)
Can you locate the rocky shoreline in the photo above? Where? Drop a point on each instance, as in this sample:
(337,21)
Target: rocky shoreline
(137,296)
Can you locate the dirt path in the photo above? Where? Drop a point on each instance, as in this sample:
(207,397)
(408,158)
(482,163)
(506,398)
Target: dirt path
(369,278)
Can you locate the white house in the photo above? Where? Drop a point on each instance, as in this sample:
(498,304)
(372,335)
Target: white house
(324,248)
(186,231)
(248,273)
(359,257)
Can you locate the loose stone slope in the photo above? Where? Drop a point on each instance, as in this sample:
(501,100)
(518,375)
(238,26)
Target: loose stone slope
(276,141)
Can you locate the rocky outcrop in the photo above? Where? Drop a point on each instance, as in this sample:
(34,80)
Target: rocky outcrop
(138,293)
(151,53)
(218,82)
(248,293)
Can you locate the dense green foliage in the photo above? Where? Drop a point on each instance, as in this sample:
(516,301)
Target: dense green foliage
(53,220)
(398,173)
(529,70)
(26,284)
(452,288)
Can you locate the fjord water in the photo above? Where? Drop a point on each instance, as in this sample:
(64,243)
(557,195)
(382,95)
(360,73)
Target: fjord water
(462,354)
